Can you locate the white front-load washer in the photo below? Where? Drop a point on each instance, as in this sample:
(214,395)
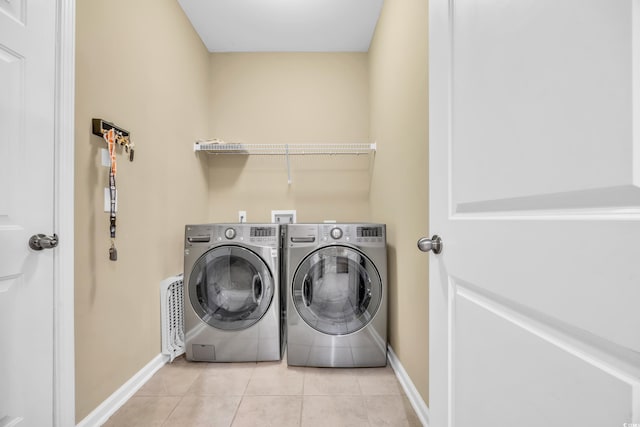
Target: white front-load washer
(232,305)
(336,284)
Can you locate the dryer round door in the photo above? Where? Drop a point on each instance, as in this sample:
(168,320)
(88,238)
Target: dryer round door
(337,290)
(230,287)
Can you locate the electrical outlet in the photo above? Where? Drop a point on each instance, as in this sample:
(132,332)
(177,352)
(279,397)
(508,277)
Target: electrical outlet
(242,216)
(283,217)
(107,200)
(105,157)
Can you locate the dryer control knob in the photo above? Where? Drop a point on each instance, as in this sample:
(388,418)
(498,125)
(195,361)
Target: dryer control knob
(336,233)
(229,233)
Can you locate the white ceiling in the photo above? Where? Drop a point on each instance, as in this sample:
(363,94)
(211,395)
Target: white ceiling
(284,25)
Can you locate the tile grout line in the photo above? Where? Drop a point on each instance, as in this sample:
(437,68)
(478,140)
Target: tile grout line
(301,409)
(302,395)
(235,413)
(362,395)
(173,410)
(244,393)
(182,397)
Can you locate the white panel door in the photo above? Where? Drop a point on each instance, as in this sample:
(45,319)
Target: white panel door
(27,61)
(535,191)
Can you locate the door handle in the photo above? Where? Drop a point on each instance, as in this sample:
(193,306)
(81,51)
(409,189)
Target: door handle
(38,242)
(307,291)
(433,244)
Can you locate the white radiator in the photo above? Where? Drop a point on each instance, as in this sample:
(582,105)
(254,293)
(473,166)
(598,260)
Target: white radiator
(172,309)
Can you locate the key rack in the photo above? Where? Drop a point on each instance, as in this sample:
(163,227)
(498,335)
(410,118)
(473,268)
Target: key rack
(113,135)
(221,147)
(123,137)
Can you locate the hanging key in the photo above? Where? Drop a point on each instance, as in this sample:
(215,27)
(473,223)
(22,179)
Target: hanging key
(113,253)
(130,149)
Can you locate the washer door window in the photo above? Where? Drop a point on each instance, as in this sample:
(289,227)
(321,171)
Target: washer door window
(230,287)
(337,290)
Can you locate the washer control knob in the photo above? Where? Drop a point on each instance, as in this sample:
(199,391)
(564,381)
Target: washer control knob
(229,233)
(336,233)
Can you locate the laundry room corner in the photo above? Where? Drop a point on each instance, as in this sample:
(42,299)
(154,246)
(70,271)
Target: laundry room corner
(398,67)
(141,66)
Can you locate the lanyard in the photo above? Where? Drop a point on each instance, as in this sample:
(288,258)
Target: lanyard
(110,137)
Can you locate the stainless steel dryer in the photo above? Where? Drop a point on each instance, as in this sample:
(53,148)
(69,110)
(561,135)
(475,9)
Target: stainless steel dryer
(336,280)
(231,292)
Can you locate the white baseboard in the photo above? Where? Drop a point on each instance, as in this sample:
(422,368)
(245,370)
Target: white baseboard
(421,408)
(101,414)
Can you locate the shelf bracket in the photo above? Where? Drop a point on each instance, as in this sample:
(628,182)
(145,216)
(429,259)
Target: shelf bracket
(286,150)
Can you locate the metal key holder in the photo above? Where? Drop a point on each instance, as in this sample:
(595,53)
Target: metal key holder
(113,135)
(123,137)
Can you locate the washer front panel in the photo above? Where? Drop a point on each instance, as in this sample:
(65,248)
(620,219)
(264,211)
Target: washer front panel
(230,287)
(337,290)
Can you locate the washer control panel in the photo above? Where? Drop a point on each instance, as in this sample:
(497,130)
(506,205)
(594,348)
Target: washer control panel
(210,234)
(336,233)
(264,234)
(230,233)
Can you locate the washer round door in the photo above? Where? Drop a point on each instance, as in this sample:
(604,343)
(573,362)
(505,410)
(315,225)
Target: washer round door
(230,287)
(337,290)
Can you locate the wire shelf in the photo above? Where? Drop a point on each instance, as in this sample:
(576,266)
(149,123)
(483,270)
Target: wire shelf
(283,149)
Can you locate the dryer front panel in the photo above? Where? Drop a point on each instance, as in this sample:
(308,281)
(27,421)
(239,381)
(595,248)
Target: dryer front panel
(230,287)
(337,290)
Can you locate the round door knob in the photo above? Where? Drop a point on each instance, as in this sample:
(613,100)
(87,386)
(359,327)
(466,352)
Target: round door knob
(229,233)
(38,242)
(433,244)
(336,233)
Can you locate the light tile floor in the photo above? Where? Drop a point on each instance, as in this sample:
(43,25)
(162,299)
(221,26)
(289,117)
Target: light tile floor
(185,394)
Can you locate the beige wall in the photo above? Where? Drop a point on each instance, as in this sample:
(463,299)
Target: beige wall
(261,98)
(399,186)
(140,65)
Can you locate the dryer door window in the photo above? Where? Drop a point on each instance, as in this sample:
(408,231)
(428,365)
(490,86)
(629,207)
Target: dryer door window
(230,287)
(337,290)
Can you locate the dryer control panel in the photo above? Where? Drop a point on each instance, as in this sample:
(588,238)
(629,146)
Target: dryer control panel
(373,234)
(359,234)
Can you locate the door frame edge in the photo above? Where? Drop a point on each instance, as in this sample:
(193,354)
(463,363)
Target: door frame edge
(64,174)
